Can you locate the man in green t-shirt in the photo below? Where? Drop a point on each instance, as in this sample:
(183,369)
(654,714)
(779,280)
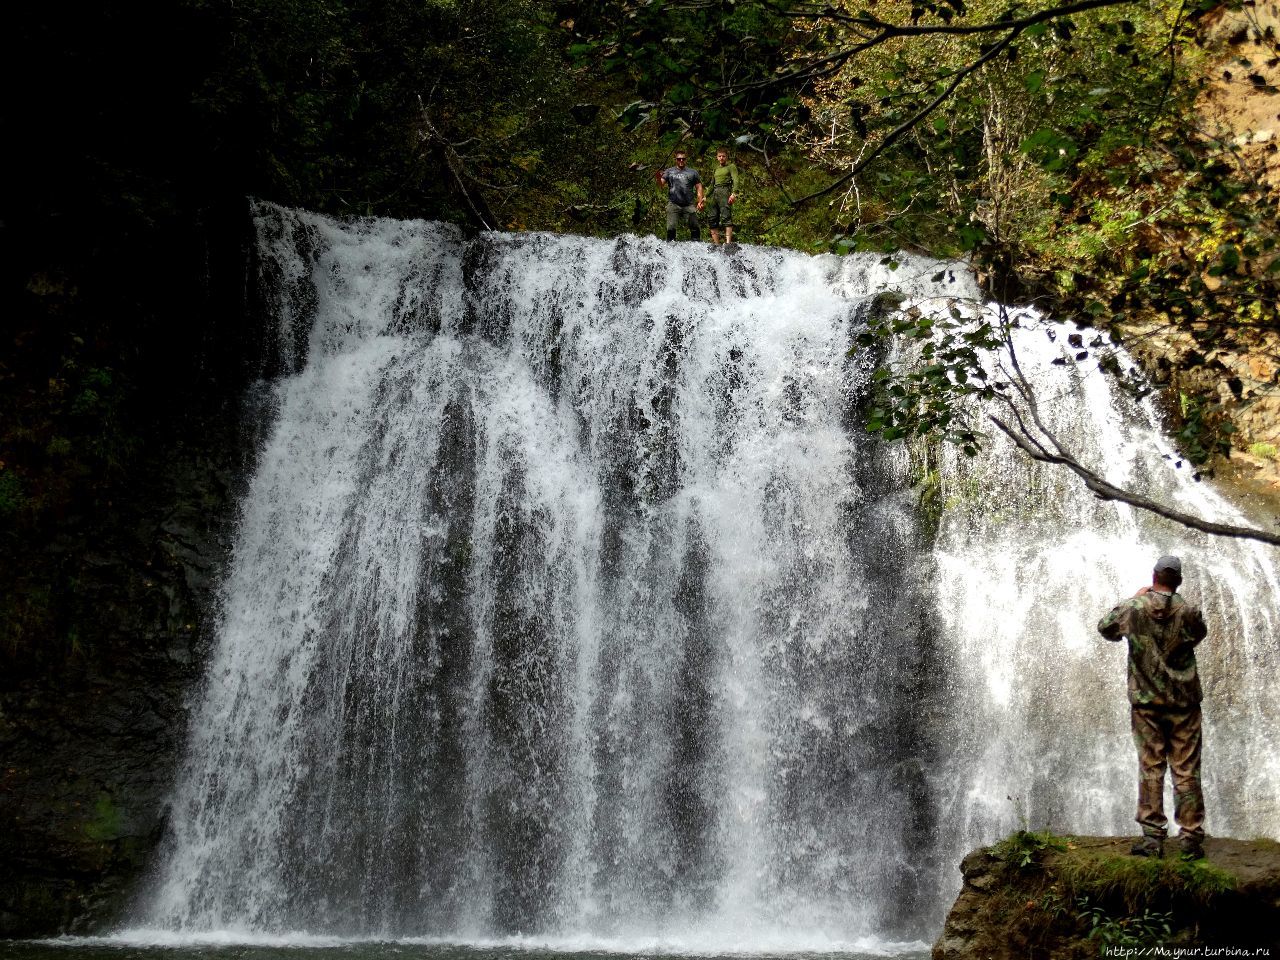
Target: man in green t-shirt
(724,194)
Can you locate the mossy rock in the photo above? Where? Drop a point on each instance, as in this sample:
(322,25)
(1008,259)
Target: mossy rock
(1043,895)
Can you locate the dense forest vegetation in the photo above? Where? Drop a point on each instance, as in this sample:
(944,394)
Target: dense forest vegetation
(1052,144)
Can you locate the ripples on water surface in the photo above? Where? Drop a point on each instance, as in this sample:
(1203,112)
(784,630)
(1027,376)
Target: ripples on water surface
(162,946)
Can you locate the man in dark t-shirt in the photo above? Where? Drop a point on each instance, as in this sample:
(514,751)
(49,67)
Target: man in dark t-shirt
(684,196)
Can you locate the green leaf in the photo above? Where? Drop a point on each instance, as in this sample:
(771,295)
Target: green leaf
(970,236)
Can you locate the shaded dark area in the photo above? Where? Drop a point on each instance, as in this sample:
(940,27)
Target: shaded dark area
(693,787)
(445,607)
(860,708)
(385,781)
(127,339)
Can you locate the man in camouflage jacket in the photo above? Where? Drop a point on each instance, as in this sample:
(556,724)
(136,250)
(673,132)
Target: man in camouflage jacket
(1164,694)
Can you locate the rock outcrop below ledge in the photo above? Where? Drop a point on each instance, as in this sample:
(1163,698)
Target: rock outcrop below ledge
(1042,896)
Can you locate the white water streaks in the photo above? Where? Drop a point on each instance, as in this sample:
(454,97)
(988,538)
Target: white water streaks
(707,943)
(569,600)
(1028,562)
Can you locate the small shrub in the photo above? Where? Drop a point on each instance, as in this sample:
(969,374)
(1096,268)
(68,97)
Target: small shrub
(1151,926)
(1266,451)
(1025,850)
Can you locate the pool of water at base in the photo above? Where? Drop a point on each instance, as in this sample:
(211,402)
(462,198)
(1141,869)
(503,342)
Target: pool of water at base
(324,948)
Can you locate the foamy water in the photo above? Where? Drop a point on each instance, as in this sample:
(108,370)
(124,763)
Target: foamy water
(571,609)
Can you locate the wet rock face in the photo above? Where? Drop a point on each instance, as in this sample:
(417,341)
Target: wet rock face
(109,597)
(91,721)
(1067,903)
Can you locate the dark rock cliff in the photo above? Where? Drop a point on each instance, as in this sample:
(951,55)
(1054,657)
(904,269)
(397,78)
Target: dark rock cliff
(109,601)
(89,749)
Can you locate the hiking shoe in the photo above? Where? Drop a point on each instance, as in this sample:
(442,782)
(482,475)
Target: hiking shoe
(1148,847)
(1191,848)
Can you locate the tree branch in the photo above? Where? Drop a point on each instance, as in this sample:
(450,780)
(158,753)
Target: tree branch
(906,125)
(887,31)
(1106,490)
(884,31)
(479,209)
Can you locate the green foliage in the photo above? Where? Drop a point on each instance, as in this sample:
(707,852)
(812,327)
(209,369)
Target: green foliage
(1266,451)
(12,497)
(1134,881)
(1025,850)
(70,436)
(702,68)
(1062,167)
(930,502)
(1205,431)
(1111,932)
(1063,888)
(924,394)
(25,612)
(328,112)
(106,822)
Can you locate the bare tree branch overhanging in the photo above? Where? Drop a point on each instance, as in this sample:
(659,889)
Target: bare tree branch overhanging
(994,26)
(884,31)
(1026,441)
(903,128)
(1041,444)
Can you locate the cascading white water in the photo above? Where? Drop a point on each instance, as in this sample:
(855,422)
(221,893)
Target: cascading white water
(1028,561)
(568,597)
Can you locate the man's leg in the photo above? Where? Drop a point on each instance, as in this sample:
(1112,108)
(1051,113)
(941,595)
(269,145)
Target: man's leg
(726,215)
(1188,799)
(673,219)
(713,216)
(694,232)
(1149,737)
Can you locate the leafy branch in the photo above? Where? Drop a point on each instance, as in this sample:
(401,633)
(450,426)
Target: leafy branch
(937,396)
(1011,27)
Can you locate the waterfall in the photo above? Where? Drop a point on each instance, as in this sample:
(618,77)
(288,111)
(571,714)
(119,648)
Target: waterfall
(569,598)
(1023,576)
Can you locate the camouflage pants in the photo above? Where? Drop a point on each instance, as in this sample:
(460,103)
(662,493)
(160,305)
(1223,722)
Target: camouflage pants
(1168,738)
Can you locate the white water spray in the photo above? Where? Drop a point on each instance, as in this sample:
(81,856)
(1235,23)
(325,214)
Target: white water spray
(569,600)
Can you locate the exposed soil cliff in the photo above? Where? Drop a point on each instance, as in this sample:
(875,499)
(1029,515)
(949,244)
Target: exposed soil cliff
(1236,367)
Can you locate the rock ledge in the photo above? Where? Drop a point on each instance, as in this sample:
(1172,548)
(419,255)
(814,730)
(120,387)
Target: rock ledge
(1038,895)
